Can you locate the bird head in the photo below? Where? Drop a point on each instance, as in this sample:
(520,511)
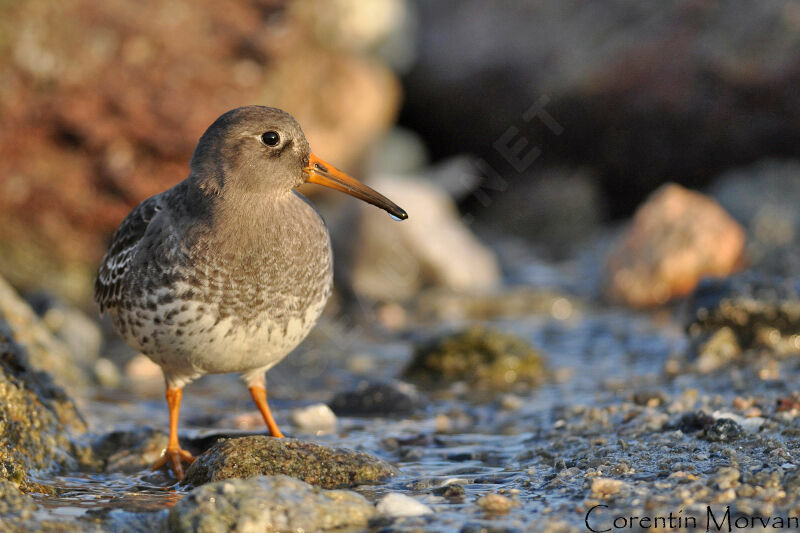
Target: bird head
(263,150)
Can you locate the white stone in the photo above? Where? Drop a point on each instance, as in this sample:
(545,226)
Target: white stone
(317,418)
(399,505)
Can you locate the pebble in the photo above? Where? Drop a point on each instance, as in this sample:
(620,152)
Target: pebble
(723,430)
(398,505)
(376,399)
(605,487)
(494,503)
(106,373)
(317,418)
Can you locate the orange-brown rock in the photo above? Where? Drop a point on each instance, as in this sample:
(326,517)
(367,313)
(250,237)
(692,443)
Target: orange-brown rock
(103,102)
(677,237)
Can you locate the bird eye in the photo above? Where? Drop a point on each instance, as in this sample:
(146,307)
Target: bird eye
(271,138)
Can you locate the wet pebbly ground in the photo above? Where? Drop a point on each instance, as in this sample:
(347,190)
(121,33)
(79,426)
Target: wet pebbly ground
(635,417)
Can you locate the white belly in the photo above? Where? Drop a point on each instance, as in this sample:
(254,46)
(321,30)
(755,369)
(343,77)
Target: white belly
(192,342)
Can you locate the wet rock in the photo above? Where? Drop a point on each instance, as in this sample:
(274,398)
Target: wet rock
(760,310)
(398,505)
(45,352)
(83,96)
(376,399)
(393,261)
(325,467)
(130,451)
(486,358)
(268,503)
(38,421)
(723,430)
(318,419)
(631,106)
(676,238)
(14,504)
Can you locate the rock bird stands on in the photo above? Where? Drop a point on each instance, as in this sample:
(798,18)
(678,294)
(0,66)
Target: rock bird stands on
(228,270)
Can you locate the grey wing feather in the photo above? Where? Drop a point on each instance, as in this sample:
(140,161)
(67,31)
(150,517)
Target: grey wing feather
(117,261)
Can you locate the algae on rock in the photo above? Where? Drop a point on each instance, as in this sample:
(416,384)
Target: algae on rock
(485,358)
(318,465)
(37,419)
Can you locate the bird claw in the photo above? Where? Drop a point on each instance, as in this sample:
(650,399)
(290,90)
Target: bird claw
(174,458)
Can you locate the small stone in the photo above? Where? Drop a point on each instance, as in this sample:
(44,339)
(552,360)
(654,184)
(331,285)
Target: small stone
(649,398)
(398,505)
(452,492)
(692,422)
(606,487)
(494,503)
(376,399)
(268,503)
(723,430)
(317,419)
(106,373)
(511,402)
(726,478)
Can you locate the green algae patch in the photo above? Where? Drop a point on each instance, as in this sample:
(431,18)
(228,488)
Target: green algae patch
(483,357)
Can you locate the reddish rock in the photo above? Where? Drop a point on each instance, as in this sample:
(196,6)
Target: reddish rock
(677,237)
(103,102)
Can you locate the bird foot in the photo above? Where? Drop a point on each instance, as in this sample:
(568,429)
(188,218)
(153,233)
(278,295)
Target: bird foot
(174,458)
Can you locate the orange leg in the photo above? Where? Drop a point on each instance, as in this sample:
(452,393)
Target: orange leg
(259,395)
(174,455)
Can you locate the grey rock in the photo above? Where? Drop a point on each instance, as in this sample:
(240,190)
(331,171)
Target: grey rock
(269,503)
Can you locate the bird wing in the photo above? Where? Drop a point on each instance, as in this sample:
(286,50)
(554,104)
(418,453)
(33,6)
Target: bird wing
(117,261)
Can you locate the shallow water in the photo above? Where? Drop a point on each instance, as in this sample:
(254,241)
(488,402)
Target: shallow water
(538,447)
